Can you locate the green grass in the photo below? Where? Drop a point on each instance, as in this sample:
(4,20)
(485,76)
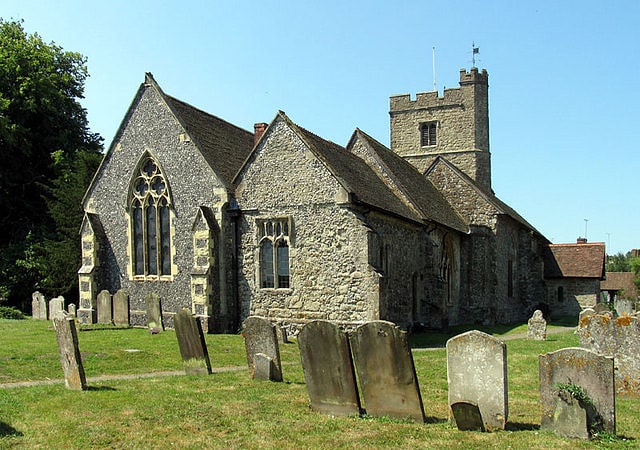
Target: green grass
(227,410)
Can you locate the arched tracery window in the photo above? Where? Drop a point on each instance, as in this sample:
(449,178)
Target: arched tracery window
(274,253)
(150,204)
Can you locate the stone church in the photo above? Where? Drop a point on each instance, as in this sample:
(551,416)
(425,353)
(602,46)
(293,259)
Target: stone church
(284,224)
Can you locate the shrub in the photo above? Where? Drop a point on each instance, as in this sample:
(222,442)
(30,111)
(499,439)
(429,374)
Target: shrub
(7,312)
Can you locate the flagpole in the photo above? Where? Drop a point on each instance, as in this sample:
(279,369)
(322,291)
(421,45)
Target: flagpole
(435,84)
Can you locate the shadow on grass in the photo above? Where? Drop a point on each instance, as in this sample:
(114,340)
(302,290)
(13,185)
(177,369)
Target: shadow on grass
(519,426)
(8,430)
(100,388)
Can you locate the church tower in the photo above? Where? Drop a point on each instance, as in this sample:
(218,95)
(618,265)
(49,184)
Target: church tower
(454,126)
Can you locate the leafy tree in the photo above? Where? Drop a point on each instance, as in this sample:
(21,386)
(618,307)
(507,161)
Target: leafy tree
(618,263)
(635,268)
(44,139)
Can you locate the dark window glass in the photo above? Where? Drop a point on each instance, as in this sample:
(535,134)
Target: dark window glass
(283,265)
(266,263)
(165,241)
(138,240)
(152,240)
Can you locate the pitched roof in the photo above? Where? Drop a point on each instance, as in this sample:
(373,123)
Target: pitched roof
(500,206)
(355,175)
(616,281)
(223,145)
(583,260)
(417,189)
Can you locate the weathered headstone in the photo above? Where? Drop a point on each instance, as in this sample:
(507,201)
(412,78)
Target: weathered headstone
(328,369)
(586,312)
(537,327)
(623,306)
(38,306)
(386,372)
(72,310)
(70,359)
(260,337)
(576,370)
(570,417)
(105,307)
(467,416)
(56,305)
(601,308)
(263,367)
(193,347)
(154,313)
(121,308)
(619,338)
(477,373)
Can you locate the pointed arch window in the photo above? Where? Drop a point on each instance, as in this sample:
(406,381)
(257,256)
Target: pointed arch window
(274,253)
(150,204)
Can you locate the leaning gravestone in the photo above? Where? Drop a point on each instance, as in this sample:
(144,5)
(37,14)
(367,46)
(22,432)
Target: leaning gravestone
(154,313)
(121,308)
(38,306)
(537,327)
(260,337)
(385,368)
(582,373)
(193,347)
(70,359)
(56,305)
(328,369)
(467,416)
(477,373)
(105,307)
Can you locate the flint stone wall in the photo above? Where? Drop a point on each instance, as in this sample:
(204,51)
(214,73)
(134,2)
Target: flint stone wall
(618,338)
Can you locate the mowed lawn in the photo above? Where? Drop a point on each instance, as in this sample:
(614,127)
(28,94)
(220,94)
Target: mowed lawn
(228,410)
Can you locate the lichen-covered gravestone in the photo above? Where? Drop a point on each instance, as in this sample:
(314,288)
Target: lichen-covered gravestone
(56,305)
(121,308)
(582,375)
(105,307)
(260,336)
(477,373)
(328,369)
(537,327)
(385,368)
(619,338)
(193,347)
(72,310)
(38,306)
(623,306)
(70,359)
(154,313)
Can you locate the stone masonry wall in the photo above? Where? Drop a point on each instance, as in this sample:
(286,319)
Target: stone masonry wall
(152,128)
(579,293)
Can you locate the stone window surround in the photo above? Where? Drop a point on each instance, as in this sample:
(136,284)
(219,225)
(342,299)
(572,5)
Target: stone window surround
(275,231)
(134,197)
(428,134)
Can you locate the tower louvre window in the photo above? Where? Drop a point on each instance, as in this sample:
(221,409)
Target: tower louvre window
(428,134)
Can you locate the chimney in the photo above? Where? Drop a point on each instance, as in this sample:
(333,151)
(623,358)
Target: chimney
(258,131)
(581,240)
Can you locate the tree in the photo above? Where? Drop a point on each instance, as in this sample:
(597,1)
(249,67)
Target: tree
(618,263)
(44,138)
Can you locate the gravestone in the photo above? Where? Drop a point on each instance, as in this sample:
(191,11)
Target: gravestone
(260,336)
(121,308)
(70,359)
(623,306)
(56,305)
(38,306)
(105,307)
(328,369)
(570,417)
(619,338)
(386,372)
(577,368)
(72,310)
(154,313)
(193,347)
(477,373)
(585,313)
(601,308)
(537,327)
(467,416)
(263,367)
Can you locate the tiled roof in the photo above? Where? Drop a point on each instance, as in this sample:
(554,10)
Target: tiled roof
(428,200)
(616,281)
(223,145)
(355,175)
(574,260)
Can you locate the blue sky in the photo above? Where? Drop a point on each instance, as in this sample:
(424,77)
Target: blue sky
(564,81)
